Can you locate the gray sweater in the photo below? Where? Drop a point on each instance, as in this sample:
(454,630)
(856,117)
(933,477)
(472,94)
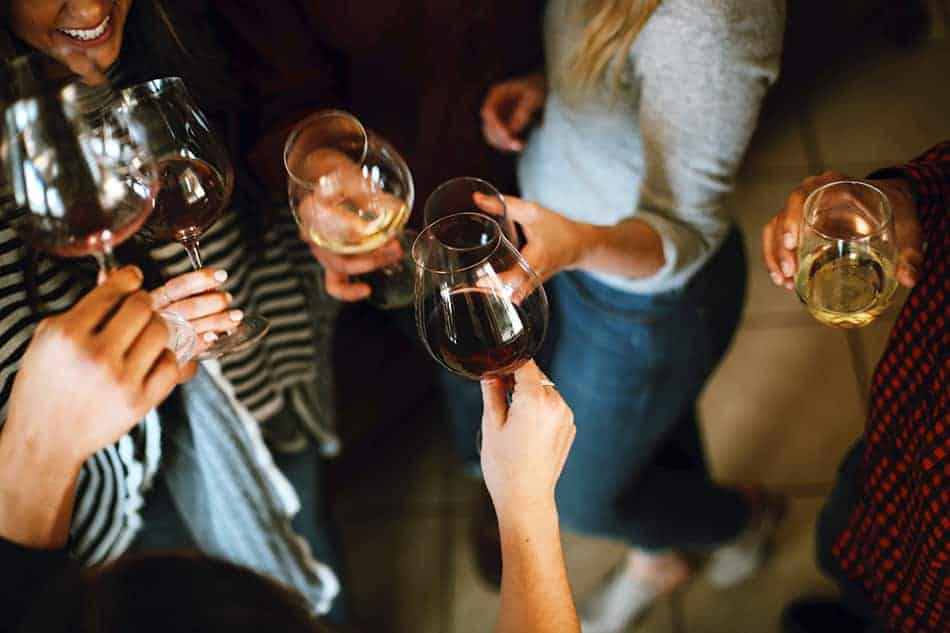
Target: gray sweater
(664,149)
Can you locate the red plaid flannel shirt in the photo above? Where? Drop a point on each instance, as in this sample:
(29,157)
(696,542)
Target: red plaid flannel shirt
(897,543)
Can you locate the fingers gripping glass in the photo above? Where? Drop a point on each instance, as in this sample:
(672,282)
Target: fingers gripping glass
(82,184)
(847,254)
(351,192)
(195,182)
(480,310)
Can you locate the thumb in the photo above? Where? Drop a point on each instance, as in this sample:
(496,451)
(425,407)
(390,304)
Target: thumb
(908,267)
(495,403)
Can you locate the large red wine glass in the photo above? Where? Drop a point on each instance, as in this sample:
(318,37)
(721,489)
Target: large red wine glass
(195,181)
(81,183)
(480,309)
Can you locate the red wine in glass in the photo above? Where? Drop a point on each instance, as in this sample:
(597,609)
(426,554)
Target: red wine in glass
(479,334)
(85,230)
(191,196)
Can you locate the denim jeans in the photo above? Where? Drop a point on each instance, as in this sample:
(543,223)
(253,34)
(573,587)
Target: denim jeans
(631,367)
(832,521)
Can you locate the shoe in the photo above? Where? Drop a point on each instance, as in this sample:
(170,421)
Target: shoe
(739,559)
(486,541)
(628,592)
(819,615)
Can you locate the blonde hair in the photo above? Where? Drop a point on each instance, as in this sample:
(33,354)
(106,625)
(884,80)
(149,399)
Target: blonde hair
(612,25)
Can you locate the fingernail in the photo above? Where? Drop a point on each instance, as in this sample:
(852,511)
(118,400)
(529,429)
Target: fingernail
(236,315)
(778,279)
(788,241)
(135,271)
(209,337)
(220,276)
(788,269)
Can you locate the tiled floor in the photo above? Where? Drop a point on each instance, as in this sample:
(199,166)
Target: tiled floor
(783,407)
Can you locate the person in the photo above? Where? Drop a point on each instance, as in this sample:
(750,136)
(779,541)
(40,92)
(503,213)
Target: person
(139,493)
(882,534)
(638,125)
(525,446)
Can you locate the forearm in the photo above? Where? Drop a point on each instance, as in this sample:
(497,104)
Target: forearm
(631,248)
(535,593)
(37,491)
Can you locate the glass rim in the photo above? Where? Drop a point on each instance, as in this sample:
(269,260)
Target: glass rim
(458,179)
(154,88)
(496,240)
(888,210)
(299,128)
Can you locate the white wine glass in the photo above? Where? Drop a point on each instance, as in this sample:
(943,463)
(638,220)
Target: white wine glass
(847,254)
(351,192)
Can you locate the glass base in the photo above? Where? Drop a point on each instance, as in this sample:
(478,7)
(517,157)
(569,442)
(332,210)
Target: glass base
(249,333)
(394,287)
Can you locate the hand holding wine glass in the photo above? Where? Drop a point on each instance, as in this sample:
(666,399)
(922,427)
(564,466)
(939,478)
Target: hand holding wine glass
(351,192)
(480,309)
(780,237)
(525,443)
(86,378)
(195,182)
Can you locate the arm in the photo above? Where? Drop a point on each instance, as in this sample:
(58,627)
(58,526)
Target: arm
(524,448)
(699,99)
(107,360)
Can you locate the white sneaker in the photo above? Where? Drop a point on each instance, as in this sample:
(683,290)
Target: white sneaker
(741,558)
(625,595)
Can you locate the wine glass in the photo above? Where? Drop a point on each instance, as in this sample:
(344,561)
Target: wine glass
(467,194)
(480,309)
(351,192)
(847,255)
(82,184)
(195,181)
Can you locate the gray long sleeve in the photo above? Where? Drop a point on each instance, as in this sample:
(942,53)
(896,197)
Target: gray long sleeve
(664,149)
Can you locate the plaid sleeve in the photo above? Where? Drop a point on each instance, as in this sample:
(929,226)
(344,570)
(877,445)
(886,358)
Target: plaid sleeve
(929,174)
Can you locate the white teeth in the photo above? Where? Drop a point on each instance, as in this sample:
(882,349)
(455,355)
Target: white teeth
(88,34)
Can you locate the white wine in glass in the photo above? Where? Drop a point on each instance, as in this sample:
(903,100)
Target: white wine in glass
(847,254)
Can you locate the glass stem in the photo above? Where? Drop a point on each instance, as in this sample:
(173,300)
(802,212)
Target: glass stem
(106,260)
(191,247)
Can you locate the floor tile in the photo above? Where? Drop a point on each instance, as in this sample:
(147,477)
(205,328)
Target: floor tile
(407,469)
(777,142)
(756,604)
(476,606)
(783,407)
(883,111)
(395,573)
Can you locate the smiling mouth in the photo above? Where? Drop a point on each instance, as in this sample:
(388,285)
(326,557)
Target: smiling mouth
(88,35)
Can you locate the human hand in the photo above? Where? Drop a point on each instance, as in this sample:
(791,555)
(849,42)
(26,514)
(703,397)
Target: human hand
(508,109)
(198,298)
(90,374)
(780,236)
(524,445)
(554,243)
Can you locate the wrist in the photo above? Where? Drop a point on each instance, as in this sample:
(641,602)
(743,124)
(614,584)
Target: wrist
(586,242)
(520,514)
(37,487)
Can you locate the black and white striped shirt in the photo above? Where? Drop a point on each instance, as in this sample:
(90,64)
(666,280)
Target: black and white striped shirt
(272,274)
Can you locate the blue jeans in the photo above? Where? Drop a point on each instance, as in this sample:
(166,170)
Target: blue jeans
(632,367)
